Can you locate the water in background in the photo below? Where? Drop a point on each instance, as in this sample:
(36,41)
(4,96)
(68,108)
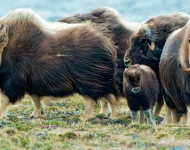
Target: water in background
(130,10)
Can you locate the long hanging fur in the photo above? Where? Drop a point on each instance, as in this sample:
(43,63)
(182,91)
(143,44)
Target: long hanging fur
(55,59)
(111,25)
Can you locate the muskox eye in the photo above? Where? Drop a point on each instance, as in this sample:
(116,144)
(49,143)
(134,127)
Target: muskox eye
(164,31)
(130,79)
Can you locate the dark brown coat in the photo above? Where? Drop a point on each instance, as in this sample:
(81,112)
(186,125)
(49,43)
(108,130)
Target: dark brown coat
(174,68)
(55,59)
(154,30)
(140,87)
(111,25)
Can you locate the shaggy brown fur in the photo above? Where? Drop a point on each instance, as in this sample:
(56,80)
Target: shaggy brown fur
(111,25)
(156,30)
(55,59)
(141,89)
(176,81)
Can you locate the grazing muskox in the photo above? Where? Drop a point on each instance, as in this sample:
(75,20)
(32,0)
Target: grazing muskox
(149,42)
(174,70)
(55,59)
(141,89)
(112,26)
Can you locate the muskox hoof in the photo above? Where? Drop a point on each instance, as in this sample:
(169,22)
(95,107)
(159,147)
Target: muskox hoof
(85,118)
(105,113)
(37,113)
(3,117)
(113,117)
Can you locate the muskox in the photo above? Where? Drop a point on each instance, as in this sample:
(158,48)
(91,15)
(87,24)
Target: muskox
(174,70)
(55,59)
(112,26)
(149,41)
(141,89)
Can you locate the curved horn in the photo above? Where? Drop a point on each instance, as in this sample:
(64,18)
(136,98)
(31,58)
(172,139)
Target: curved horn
(184,69)
(152,46)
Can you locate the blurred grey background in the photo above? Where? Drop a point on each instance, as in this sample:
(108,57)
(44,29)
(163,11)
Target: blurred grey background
(130,10)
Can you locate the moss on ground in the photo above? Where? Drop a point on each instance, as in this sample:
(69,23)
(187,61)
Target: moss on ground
(61,128)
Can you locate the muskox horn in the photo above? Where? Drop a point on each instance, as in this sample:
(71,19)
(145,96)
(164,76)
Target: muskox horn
(127,62)
(184,69)
(152,46)
(180,66)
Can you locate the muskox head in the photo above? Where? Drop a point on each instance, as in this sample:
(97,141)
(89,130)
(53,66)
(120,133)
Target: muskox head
(146,44)
(132,76)
(138,46)
(141,51)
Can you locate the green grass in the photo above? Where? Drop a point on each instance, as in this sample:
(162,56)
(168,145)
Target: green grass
(61,128)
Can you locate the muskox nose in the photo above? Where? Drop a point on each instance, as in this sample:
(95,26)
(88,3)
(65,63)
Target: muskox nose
(127,62)
(135,90)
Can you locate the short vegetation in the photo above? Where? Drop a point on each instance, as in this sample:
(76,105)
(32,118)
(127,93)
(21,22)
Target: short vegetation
(61,128)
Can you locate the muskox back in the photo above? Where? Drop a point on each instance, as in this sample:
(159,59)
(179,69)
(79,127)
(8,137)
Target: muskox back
(55,59)
(141,89)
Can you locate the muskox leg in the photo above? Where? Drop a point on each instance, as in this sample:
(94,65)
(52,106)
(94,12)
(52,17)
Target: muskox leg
(113,104)
(134,116)
(175,116)
(168,116)
(149,117)
(188,115)
(38,109)
(141,118)
(158,106)
(184,118)
(4,103)
(105,107)
(89,106)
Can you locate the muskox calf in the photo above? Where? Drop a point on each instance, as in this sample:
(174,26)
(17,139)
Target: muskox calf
(141,89)
(54,59)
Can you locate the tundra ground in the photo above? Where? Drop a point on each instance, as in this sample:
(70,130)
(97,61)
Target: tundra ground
(61,128)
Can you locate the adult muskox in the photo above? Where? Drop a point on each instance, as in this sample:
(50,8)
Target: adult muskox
(141,89)
(174,69)
(152,36)
(112,26)
(55,59)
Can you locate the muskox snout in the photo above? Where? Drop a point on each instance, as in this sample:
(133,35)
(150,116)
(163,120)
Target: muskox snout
(127,62)
(135,90)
